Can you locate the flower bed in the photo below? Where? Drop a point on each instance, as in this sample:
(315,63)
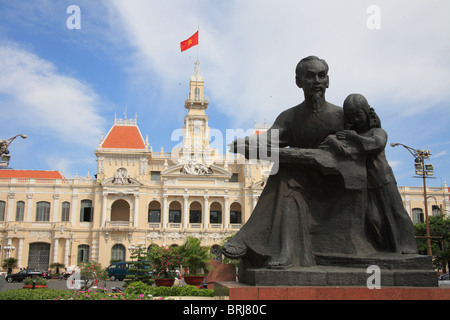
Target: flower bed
(135,291)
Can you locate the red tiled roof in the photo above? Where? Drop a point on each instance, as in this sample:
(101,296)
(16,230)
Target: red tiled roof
(31,174)
(124,137)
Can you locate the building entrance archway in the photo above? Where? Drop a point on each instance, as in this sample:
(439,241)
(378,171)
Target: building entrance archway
(39,256)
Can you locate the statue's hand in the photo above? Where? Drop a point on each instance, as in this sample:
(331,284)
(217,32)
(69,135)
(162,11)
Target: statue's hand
(336,145)
(347,135)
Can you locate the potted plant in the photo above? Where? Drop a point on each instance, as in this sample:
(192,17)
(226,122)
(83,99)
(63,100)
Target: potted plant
(166,261)
(195,258)
(35,283)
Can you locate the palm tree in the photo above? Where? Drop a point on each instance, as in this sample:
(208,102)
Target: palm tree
(9,264)
(57,265)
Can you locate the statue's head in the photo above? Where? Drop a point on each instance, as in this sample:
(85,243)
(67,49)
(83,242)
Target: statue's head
(311,75)
(358,113)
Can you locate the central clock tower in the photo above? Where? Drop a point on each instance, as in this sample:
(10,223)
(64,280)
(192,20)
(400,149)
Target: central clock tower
(196,148)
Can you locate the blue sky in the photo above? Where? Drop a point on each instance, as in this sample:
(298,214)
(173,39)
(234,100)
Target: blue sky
(62,87)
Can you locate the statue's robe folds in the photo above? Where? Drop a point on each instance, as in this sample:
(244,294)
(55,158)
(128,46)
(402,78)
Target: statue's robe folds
(314,203)
(388,224)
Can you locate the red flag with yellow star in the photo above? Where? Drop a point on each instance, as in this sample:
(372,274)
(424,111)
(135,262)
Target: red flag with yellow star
(192,41)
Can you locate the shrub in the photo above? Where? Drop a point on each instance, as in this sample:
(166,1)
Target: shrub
(139,288)
(36,294)
(36,280)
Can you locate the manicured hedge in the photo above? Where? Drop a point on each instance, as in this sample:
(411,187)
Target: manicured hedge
(32,294)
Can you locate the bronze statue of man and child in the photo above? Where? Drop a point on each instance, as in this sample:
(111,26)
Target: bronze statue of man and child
(333,193)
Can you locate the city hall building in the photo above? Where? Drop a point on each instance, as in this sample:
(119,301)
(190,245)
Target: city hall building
(139,197)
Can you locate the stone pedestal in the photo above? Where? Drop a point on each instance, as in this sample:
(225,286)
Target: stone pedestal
(395,270)
(339,276)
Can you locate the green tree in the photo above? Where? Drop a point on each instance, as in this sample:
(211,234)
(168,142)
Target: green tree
(57,265)
(9,264)
(140,268)
(92,274)
(440,241)
(166,261)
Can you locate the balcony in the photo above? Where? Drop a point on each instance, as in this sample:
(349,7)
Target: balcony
(119,225)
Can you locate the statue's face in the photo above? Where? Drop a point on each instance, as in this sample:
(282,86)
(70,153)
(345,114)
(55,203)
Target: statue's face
(313,78)
(356,117)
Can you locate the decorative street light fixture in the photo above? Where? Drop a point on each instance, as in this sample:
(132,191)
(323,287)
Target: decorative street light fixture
(132,248)
(4,152)
(9,249)
(422,171)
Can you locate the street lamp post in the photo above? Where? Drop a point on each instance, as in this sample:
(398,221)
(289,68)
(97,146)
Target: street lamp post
(4,152)
(422,170)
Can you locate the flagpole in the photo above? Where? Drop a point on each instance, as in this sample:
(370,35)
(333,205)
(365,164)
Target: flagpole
(198,45)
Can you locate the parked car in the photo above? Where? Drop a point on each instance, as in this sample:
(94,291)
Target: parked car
(444,280)
(26,273)
(119,270)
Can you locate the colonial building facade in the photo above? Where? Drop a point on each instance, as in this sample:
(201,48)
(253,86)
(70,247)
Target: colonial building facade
(139,197)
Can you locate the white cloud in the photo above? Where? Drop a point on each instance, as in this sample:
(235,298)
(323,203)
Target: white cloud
(43,100)
(249,50)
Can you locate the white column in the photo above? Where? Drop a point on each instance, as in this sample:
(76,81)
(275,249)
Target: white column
(407,205)
(66,252)
(226,213)
(55,208)
(19,253)
(28,218)
(165,212)
(185,212)
(255,200)
(74,209)
(206,213)
(104,208)
(136,210)
(9,216)
(55,249)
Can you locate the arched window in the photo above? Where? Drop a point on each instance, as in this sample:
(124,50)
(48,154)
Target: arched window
(418,216)
(83,253)
(175,212)
(118,253)
(86,211)
(120,211)
(154,212)
(2,210)
(197,93)
(20,210)
(235,213)
(43,211)
(195,212)
(65,211)
(215,213)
